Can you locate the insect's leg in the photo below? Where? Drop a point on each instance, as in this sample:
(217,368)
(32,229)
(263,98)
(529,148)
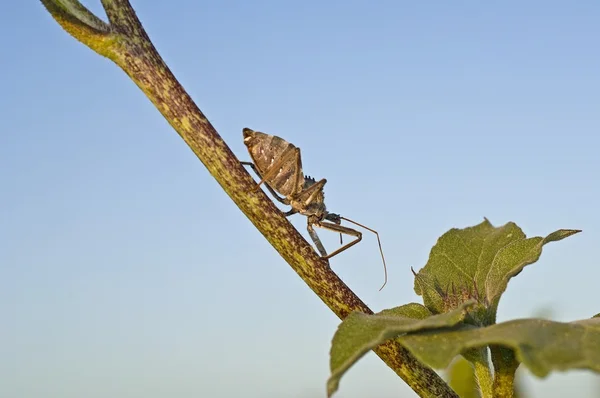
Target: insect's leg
(274,168)
(342,230)
(308,195)
(252,166)
(349,231)
(299,177)
(275,194)
(290,212)
(316,240)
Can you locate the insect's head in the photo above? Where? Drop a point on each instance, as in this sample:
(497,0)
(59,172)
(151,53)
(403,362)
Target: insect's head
(334,218)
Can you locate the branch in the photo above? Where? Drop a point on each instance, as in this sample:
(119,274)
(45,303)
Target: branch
(126,43)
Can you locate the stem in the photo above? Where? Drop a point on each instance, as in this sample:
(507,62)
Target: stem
(483,372)
(125,42)
(504,385)
(505,366)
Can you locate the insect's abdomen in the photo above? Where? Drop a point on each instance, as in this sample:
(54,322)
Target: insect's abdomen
(265,150)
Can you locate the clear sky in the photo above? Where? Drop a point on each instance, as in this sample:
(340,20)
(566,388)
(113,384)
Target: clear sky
(125,271)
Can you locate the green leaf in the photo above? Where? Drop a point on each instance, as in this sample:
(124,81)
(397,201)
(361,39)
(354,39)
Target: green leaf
(411,310)
(359,333)
(541,345)
(459,263)
(510,261)
(477,263)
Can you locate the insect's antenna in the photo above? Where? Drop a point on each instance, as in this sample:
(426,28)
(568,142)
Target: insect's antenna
(380,249)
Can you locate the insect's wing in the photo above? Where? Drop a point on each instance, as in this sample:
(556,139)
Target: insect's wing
(265,150)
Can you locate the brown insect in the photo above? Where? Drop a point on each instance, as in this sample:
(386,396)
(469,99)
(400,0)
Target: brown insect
(279,166)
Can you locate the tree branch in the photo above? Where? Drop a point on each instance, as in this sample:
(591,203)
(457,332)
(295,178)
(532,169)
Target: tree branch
(126,43)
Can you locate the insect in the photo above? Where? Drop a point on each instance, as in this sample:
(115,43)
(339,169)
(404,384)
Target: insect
(279,166)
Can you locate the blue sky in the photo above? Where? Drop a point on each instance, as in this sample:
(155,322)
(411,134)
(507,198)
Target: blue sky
(126,271)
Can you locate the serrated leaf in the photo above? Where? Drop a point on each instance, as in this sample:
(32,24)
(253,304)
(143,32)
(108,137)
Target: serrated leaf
(433,294)
(459,262)
(454,257)
(497,239)
(477,263)
(511,260)
(541,345)
(359,333)
(411,310)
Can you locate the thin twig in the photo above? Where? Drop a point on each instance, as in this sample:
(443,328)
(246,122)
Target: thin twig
(128,45)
